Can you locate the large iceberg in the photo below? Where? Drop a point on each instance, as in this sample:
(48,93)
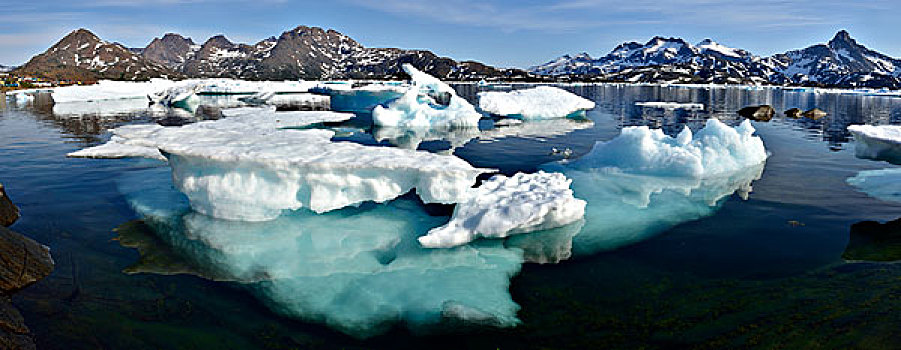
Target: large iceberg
(427,102)
(644,182)
(504,206)
(880,142)
(253,166)
(716,149)
(542,102)
(358,270)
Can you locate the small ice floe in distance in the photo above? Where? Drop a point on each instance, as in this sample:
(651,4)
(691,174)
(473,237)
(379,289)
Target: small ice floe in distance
(671,105)
(542,102)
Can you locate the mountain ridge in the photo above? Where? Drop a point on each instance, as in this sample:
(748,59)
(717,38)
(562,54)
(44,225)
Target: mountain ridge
(841,62)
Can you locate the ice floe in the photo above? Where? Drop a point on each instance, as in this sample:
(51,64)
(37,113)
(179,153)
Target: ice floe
(884,184)
(542,102)
(715,149)
(252,166)
(879,142)
(671,105)
(427,102)
(504,206)
(644,182)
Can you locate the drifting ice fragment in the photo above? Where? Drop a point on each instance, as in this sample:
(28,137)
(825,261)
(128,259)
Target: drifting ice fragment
(671,105)
(428,102)
(543,102)
(644,182)
(715,149)
(884,184)
(347,98)
(504,206)
(251,167)
(879,142)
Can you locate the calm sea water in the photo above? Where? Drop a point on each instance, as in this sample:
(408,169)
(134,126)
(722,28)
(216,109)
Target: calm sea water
(763,272)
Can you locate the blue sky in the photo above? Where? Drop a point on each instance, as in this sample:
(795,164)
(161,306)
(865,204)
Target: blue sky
(503,33)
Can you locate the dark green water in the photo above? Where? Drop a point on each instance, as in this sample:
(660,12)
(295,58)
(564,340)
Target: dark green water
(766,272)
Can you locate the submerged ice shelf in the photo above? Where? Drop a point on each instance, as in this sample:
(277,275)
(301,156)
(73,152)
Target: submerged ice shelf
(358,270)
(504,206)
(251,166)
(427,102)
(883,184)
(542,102)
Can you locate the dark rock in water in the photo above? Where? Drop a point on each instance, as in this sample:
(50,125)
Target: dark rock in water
(815,114)
(22,263)
(9,213)
(205,112)
(793,113)
(763,113)
(872,241)
(442,98)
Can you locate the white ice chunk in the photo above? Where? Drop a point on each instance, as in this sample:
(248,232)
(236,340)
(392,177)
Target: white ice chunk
(880,142)
(715,149)
(250,167)
(428,102)
(884,184)
(504,206)
(643,182)
(542,102)
(671,105)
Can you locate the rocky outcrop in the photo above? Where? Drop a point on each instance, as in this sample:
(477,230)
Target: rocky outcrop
(22,263)
(815,114)
(874,241)
(9,213)
(793,113)
(763,113)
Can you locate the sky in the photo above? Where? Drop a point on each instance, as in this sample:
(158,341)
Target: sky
(505,33)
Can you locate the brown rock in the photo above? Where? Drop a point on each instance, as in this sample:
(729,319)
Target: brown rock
(22,261)
(793,113)
(9,213)
(762,113)
(815,114)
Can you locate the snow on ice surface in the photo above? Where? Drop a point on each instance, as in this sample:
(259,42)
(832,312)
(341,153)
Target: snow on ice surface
(357,270)
(884,184)
(100,108)
(542,102)
(715,149)
(879,142)
(109,90)
(671,105)
(504,206)
(250,167)
(644,182)
(421,105)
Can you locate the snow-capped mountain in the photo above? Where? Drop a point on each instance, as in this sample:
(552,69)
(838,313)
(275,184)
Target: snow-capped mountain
(81,55)
(303,52)
(842,62)
(4,69)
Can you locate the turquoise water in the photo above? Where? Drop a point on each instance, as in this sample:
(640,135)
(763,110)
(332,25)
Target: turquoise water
(761,272)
